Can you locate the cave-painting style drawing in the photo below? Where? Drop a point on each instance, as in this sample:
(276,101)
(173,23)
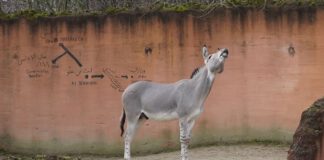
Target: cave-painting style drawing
(66,52)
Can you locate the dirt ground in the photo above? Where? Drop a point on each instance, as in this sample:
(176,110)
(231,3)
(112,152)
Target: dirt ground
(230,152)
(236,152)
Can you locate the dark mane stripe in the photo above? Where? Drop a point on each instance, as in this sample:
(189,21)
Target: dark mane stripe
(194,72)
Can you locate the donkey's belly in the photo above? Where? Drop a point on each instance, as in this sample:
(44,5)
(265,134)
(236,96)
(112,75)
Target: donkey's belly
(162,116)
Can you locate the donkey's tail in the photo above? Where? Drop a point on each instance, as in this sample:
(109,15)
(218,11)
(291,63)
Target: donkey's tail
(122,122)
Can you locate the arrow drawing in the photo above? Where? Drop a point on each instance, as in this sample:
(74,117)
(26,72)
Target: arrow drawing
(98,76)
(66,52)
(124,76)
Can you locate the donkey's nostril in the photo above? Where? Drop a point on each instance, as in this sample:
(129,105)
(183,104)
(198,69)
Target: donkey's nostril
(225,53)
(225,50)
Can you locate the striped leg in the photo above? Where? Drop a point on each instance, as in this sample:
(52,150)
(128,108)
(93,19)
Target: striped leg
(131,128)
(185,129)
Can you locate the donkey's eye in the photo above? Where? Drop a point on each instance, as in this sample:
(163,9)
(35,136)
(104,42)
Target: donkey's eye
(209,57)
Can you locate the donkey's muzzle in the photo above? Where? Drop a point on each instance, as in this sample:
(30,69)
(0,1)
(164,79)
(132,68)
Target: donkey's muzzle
(225,53)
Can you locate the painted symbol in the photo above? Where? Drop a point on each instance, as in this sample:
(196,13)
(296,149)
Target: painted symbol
(148,50)
(98,76)
(66,52)
(124,76)
(291,50)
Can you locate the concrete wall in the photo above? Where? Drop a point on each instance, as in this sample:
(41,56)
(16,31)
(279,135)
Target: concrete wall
(73,105)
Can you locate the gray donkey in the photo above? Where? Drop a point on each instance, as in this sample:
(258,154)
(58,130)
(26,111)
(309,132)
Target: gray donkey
(181,100)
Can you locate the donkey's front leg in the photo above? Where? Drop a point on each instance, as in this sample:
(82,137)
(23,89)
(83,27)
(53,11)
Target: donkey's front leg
(185,129)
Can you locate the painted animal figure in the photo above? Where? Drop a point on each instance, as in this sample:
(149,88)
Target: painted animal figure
(181,100)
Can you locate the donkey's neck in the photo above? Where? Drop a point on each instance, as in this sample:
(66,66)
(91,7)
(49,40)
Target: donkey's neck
(203,82)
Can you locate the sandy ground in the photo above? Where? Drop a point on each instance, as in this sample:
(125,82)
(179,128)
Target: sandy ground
(231,152)
(237,152)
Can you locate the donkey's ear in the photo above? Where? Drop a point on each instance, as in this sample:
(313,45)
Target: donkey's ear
(205,53)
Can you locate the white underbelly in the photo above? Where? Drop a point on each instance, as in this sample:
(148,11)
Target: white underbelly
(162,116)
(196,113)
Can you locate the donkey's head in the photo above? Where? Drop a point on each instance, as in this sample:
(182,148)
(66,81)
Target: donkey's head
(215,61)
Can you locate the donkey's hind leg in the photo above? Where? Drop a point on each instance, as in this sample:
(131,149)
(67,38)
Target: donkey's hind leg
(132,124)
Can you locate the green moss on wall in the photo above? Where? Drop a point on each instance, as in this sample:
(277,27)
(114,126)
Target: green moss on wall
(29,14)
(113,10)
(142,146)
(240,136)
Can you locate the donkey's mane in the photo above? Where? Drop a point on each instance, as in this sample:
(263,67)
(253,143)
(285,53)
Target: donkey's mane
(194,72)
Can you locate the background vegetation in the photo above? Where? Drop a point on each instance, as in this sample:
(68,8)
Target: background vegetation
(39,8)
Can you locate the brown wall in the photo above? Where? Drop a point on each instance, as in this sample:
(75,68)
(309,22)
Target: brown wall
(62,107)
